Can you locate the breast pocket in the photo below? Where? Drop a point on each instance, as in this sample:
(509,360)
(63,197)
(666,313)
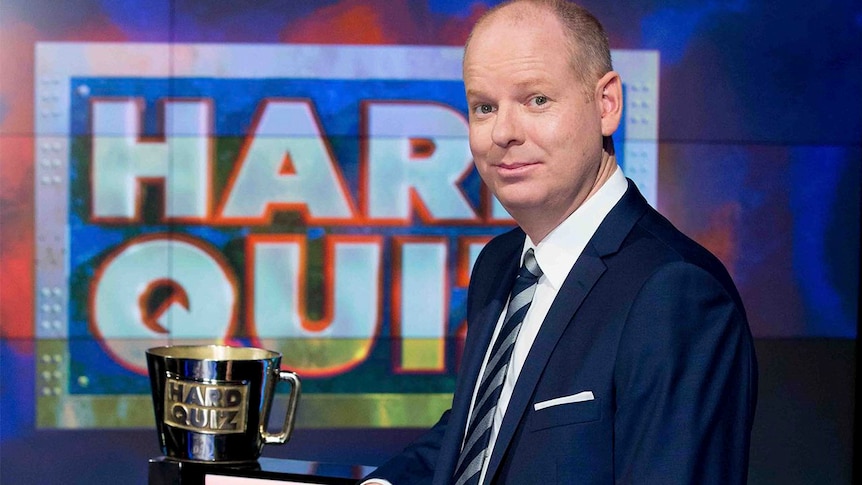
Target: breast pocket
(564,411)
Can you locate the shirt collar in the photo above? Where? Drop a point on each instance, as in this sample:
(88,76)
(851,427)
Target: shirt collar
(558,251)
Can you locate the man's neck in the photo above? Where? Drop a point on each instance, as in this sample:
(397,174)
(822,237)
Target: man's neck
(537,226)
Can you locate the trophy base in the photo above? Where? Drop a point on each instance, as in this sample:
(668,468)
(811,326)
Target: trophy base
(244,464)
(170,471)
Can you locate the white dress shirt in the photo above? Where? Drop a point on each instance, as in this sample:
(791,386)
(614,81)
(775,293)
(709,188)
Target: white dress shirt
(556,254)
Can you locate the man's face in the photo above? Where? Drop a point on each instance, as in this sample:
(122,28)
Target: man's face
(535,135)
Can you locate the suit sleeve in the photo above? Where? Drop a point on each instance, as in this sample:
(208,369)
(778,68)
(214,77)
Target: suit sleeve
(415,464)
(685,383)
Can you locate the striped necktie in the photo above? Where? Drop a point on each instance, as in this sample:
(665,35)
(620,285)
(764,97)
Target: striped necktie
(478,434)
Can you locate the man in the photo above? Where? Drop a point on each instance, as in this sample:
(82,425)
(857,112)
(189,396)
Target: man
(632,359)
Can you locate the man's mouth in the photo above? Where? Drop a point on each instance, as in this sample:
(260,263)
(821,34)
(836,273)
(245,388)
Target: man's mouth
(514,167)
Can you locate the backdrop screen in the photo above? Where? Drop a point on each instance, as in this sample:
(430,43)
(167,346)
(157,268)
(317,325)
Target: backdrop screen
(265,195)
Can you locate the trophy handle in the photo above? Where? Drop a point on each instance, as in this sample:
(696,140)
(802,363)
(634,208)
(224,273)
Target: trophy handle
(290,416)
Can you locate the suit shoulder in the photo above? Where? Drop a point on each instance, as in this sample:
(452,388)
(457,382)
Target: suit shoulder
(665,235)
(661,242)
(502,246)
(500,252)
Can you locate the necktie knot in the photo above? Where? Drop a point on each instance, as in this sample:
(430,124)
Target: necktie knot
(530,269)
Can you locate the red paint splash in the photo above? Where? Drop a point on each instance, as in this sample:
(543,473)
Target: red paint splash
(720,235)
(380,22)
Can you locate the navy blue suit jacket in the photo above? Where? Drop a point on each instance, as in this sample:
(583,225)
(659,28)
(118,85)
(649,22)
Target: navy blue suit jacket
(650,323)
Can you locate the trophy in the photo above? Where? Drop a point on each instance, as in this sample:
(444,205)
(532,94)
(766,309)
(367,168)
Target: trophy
(212,402)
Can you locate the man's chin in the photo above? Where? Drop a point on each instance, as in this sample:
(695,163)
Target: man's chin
(516,206)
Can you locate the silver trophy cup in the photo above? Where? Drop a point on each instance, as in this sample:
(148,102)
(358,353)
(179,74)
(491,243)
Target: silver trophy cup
(212,402)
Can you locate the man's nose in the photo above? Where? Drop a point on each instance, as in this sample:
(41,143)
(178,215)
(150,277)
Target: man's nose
(507,128)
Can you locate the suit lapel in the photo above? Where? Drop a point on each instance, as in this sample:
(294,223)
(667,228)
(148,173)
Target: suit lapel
(585,273)
(578,284)
(481,330)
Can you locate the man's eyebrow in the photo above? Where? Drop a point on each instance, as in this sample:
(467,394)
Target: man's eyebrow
(474,93)
(529,82)
(526,83)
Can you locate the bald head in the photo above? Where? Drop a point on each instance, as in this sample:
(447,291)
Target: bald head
(586,41)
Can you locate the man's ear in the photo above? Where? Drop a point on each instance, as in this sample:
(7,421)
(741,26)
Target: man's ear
(609,89)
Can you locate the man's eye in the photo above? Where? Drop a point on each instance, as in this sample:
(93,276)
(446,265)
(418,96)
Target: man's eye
(540,100)
(484,109)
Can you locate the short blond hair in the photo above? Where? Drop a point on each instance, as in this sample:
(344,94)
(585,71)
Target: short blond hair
(590,53)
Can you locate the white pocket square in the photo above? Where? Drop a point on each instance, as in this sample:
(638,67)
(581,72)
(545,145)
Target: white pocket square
(579,397)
